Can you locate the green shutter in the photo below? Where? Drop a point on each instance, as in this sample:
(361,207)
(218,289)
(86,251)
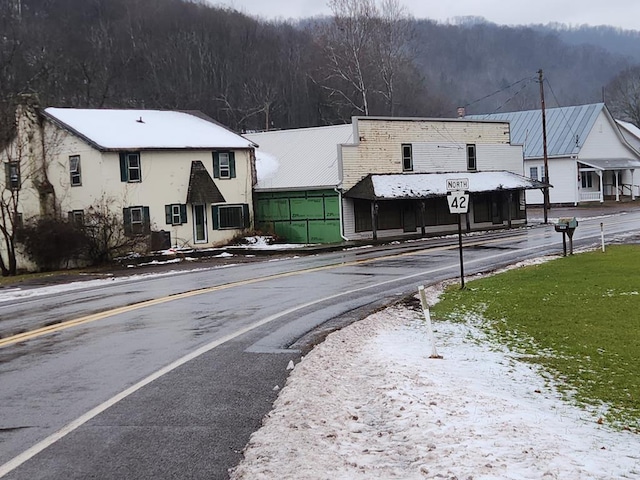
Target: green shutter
(232,165)
(168,214)
(183,213)
(216,165)
(146,220)
(216,221)
(245,216)
(127,222)
(124,172)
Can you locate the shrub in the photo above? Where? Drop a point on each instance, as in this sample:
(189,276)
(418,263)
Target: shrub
(51,243)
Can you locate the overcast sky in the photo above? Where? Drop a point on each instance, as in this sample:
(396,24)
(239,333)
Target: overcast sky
(618,13)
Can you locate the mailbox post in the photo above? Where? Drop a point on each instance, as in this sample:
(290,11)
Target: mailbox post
(567,226)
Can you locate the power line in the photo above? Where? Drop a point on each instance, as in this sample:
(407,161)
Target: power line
(500,91)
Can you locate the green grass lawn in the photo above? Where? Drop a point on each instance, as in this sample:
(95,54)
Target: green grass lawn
(577,316)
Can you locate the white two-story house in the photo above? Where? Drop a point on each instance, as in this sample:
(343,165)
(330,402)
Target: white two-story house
(176,173)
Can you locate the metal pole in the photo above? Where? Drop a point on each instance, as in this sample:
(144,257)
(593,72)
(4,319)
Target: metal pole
(545,178)
(460,245)
(602,235)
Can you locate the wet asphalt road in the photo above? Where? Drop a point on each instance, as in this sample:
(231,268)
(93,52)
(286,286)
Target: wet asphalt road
(193,420)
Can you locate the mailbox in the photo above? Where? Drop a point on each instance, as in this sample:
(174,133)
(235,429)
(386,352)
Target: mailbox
(567,226)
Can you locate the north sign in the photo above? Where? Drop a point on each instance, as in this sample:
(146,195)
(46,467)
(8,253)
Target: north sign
(457,184)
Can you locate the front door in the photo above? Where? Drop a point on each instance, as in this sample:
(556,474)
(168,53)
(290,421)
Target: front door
(199,224)
(496,209)
(409,223)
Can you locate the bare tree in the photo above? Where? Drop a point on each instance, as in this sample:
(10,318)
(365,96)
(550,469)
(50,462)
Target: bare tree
(105,235)
(366,47)
(623,95)
(347,46)
(392,42)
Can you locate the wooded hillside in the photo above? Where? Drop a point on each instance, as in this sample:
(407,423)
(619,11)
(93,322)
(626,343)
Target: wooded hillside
(252,74)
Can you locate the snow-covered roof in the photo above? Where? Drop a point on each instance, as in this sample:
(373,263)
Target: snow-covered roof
(567,128)
(629,127)
(304,158)
(112,129)
(425,185)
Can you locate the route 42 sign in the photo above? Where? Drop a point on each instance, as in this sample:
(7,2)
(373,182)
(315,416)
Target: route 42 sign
(458,202)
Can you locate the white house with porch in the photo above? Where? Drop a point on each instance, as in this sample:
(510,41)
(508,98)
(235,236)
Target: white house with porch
(589,157)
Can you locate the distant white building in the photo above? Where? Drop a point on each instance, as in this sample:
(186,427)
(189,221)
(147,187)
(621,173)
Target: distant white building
(179,173)
(590,156)
(383,177)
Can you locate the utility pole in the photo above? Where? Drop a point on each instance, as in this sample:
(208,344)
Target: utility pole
(545,178)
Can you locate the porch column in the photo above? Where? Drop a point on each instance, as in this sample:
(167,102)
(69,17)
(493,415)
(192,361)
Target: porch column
(616,174)
(600,185)
(374,219)
(633,194)
(422,210)
(510,204)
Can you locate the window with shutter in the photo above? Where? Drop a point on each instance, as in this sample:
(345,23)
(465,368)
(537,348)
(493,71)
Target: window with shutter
(230,216)
(130,167)
(74,171)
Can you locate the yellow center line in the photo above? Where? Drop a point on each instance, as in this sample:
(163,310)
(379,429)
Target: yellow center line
(54,328)
(39,332)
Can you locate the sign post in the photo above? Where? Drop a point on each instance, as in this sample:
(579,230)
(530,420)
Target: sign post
(458,200)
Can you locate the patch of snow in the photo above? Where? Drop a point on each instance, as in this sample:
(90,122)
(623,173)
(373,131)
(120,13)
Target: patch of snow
(261,242)
(7,295)
(266,165)
(369,403)
(420,185)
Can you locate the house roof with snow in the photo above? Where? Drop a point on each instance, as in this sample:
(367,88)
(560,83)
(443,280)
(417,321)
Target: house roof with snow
(631,133)
(426,185)
(304,158)
(113,129)
(567,128)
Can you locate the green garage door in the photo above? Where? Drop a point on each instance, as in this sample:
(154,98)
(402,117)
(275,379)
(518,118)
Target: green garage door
(311,216)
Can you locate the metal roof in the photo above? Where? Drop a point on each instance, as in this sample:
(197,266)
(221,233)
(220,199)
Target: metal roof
(304,158)
(567,128)
(426,185)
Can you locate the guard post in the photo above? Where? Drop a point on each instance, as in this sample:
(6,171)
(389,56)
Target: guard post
(458,200)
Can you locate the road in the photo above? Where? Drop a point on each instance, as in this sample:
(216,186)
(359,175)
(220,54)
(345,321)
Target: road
(167,377)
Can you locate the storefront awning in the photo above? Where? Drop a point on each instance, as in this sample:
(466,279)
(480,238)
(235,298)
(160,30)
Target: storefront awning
(428,185)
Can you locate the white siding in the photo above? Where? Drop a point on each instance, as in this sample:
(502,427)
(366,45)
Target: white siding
(604,141)
(563,175)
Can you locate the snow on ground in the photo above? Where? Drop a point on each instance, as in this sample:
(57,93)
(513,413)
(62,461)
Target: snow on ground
(369,403)
(14,293)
